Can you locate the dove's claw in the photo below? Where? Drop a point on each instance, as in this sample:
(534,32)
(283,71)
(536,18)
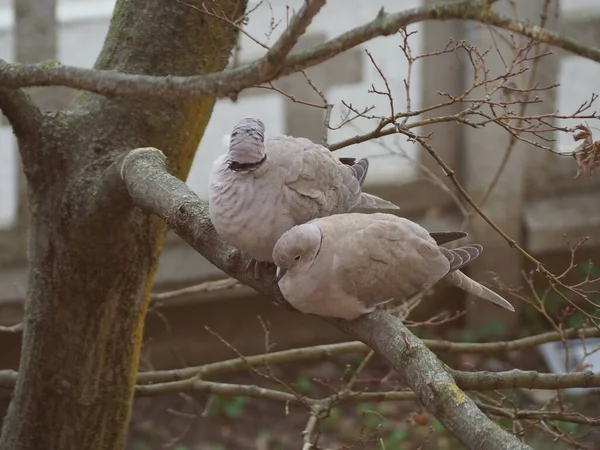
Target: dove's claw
(254,268)
(257,270)
(251,265)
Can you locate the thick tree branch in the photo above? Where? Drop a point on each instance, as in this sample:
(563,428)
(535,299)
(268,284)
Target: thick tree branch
(23,115)
(153,189)
(230,82)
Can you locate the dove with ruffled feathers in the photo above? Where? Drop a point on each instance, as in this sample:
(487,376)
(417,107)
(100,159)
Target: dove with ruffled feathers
(262,187)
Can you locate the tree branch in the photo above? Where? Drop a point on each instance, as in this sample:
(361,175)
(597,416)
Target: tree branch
(546,415)
(330,350)
(153,189)
(517,344)
(273,60)
(530,379)
(23,115)
(16,328)
(211,387)
(230,82)
(238,364)
(176,297)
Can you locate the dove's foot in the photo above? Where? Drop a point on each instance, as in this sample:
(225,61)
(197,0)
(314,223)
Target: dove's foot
(251,267)
(255,268)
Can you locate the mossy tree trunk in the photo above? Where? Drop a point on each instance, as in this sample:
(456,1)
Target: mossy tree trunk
(92,253)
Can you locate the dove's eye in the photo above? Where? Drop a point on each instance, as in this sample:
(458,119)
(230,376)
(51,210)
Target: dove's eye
(297,258)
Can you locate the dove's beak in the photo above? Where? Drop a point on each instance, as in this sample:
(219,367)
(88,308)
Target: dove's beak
(279,274)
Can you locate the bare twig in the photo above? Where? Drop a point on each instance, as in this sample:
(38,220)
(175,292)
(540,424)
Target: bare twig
(307,434)
(323,351)
(17,328)
(159,299)
(545,415)
(273,60)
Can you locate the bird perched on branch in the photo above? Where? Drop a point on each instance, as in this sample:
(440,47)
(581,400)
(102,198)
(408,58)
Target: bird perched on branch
(346,265)
(263,187)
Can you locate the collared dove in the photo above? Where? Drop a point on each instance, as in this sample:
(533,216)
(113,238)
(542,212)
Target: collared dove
(346,265)
(263,187)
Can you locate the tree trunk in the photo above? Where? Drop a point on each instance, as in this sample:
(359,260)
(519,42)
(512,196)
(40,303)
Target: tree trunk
(92,254)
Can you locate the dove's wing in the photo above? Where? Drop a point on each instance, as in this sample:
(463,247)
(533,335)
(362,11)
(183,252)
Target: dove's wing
(378,257)
(316,184)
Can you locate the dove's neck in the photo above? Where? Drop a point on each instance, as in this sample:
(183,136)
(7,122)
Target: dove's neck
(246,155)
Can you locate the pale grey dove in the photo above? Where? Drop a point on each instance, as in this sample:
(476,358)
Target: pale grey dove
(263,187)
(346,265)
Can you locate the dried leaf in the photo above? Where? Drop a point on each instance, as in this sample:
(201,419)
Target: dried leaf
(587,154)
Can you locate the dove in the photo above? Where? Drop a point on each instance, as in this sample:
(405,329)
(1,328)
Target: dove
(346,265)
(263,187)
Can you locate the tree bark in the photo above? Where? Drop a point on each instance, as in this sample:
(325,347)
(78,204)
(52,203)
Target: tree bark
(92,254)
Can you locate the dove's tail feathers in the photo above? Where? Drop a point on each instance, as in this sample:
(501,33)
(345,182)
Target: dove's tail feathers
(369,201)
(360,170)
(461,256)
(443,237)
(461,281)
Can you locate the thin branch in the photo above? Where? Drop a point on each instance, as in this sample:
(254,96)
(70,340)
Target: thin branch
(530,379)
(16,328)
(23,115)
(174,297)
(273,60)
(8,379)
(195,384)
(317,405)
(545,415)
(517,344)
(239,364)
(211,387)
(307,434)
(232,81)
(331,350)
(153,189)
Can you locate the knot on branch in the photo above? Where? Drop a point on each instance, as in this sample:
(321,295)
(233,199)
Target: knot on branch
(182,213)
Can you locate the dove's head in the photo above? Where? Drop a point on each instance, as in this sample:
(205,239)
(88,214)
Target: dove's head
(297,249)
(247,141)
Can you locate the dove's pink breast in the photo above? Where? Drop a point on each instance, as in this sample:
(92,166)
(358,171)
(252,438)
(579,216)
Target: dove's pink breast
(246,214)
